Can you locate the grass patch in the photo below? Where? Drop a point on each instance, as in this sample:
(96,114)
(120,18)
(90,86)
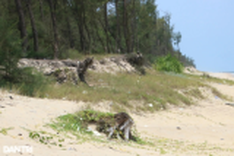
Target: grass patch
(195,92)
(46,138)
(4,130)
(219,95)
(208,78)
(30,82)
(77,124)
(156,87)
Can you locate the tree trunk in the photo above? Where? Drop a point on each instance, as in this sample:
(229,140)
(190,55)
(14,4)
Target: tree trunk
(80,12)
(125,27)
(81,31)
(22,25)
(68,23)
(41,11)
(71,39)
(89,41)
(55,31)
(106,28)
(133,27)
(34,30)
(98,36)
(118,33)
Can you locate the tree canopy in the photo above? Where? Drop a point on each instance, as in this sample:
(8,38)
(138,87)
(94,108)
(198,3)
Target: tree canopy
(50,28)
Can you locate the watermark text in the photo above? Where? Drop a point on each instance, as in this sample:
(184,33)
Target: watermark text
(17,149)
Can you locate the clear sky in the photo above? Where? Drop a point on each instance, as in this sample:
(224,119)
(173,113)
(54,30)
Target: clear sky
(207,28)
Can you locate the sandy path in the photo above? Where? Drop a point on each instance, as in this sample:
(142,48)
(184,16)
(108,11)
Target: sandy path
(210,122)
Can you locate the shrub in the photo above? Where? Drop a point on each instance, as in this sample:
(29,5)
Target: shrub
(28,82)
(9,52)
(31,82)
(168,63)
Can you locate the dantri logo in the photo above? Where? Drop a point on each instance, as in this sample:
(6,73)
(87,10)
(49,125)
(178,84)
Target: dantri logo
(17,149)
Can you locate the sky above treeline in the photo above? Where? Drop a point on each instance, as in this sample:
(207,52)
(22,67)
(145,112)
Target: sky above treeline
(207,28)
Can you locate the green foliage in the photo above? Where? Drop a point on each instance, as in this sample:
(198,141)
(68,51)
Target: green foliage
(68,122)
(34,135)
(28,82)
(10,51)
(169,63)
(86,28)
(78,123)
(31,82)
(72,54)
(4,130)
(94,116)
(46,139)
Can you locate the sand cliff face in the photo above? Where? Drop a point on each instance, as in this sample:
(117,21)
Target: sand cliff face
(203,129)
(109,65)
(65,70)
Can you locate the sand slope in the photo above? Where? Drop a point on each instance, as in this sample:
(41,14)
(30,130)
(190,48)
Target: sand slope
(204,129)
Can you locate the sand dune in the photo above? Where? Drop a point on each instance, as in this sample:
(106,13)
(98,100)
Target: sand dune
(203,129)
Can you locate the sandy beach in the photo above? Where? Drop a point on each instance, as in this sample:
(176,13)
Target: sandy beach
(206,128)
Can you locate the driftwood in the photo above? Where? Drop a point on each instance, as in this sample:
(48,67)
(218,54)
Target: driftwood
(82,68)
(230,104)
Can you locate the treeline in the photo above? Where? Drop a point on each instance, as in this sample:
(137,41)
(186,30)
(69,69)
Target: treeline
(51,28)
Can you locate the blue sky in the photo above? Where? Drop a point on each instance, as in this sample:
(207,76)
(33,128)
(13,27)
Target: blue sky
(207,28)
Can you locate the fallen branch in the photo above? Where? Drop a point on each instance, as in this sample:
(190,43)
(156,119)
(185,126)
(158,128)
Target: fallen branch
(230,104)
